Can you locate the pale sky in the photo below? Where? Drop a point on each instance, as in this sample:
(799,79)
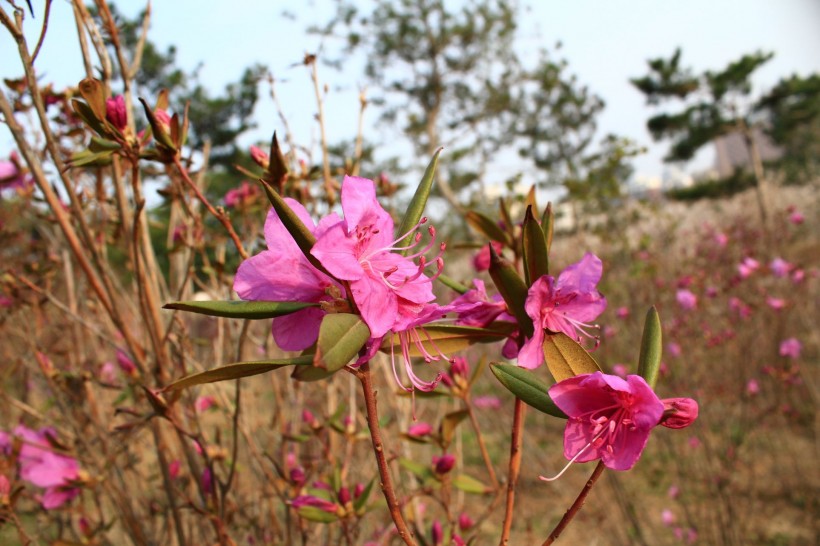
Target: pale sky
(605,43)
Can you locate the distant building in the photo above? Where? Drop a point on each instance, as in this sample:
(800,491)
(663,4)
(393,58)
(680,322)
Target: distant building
(732,153)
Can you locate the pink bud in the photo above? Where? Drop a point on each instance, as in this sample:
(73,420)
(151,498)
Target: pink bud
(444,464)
(308,418)
(420,429)
(297,475)
(115,112)
(437,533)
(126,364)
(173,469)
(464,521)
(358,490)
(673,492)
(203,403)
(752,387)
(622,312)
(344,496)
(207,481)
(668,517)
(259,157)
(678,412)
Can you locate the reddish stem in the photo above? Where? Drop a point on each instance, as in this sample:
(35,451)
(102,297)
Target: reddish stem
(515,467)
(576,506)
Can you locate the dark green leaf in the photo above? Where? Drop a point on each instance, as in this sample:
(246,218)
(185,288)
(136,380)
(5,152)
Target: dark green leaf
(487,227)
(454,284)
(415,209)
(236,371)
(536,257)
(341,336)
(360,502)
(512,288)
(525,385)
(649,362)
(254,310)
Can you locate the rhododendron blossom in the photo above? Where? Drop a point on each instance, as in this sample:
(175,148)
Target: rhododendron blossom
(565,305)
(610,418)
(283,273)
(686,299)
(791,348)
(386,286)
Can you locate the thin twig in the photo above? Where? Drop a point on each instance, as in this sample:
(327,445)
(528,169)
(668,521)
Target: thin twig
(365,378)
(576,506)
(515,467)
(482,446)
(42,32)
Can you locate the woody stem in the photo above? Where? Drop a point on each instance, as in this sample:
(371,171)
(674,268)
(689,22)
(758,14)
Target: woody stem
(515,467)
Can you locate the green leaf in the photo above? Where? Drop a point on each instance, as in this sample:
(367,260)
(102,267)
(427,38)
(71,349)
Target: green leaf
(468,484)
(277,166)
(98,144)
(360,503)
(416,207)
(300,233)
(162,138)
(341,336)
(548,225)
(487,227)
(311,373)
(566,358)
(448,338)
(90,159)
(454,284)
(525,385)
(536,255)
(236,371)
(85,113)
(512,288)
(254,310)
(422,471)
(449,423)
(318,515)
(649,362)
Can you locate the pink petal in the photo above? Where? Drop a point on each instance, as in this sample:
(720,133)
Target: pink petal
(531,354)
(582,276)
(376,303)
(298,330)
(337,253)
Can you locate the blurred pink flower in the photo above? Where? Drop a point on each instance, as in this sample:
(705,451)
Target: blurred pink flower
(126,364)
(436,533)
(673,492)
(747,266)
(775,303)
(108,373)
(621,370)
(465,521)
(791,348)
(260,157)
(241,196)
(420,429)
(610,418)
(668,517)
(203,403)
(12,174)
(487,402)
(752,387)
(481,261)
(721,239)
(796,218)
(798,275)
(737,306)
(686,299)
(173,469)
(694,442)
(622,312)
(314,502)
(712,291)
(780,267)
(565,305)
(673,349)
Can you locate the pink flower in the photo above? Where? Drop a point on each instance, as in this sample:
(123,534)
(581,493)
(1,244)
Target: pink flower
(747,267)
(116,113)
(203,403)
(566,305)
(12,174)
(686,299)
(622,312)
(796,218)
(673,492)
(436,533)
(126,364)
(621,370)
(791,348)
(475,308)
(737,306)
(314,502)
(752,387)
(487,402)
(780,267)
(465,521)
(283,273)
(668,517)
(241,196)
(673,349)
(388,288)
(775,303)
(610,418)
(481,261)
(108,373)
(694,442)
(41,466)
(798,276)
(173,469)
(721,239)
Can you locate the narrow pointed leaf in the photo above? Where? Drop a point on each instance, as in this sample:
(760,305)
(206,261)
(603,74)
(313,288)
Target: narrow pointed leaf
(530,200)
(318,515)
(300,233)
(254,310)
(416,208)
(548,225)
(536,257)
(421,471)
(566,358)
(236,371)
(448,338)
(487,227)
(98,144)
(449,423)
(311,373)
(341,336)
(504,214)
(512,288)
(468,484)
(93,91)
(649,362)
(360,502)
(277,167)
(454,284)
(525,385)
(87,115)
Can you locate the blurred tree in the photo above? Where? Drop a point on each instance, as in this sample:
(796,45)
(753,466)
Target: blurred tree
(715,104)
(792,110)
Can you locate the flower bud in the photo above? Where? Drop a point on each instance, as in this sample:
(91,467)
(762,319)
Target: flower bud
(678,412)
(260,157)
(444,464)
(115,112)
